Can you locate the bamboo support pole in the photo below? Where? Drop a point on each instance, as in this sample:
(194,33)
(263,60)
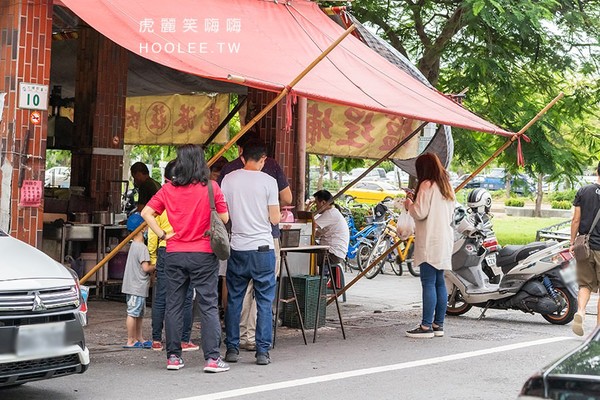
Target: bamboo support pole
(112,253)
(280,96)
(382,159)
(249,125)
(496,153)
(512,139)
(234,110)
(364,271)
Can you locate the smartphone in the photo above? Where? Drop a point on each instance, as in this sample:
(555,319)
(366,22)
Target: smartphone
(264,248)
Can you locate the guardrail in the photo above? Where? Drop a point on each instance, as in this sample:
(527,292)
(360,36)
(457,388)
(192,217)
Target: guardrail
(560,231)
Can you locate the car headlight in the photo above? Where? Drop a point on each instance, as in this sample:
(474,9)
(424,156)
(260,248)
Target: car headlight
(82,296)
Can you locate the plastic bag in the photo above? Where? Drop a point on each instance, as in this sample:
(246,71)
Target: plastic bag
(405,226)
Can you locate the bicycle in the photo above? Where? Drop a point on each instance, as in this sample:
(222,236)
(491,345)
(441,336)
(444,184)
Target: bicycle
(361,242)
(399,256)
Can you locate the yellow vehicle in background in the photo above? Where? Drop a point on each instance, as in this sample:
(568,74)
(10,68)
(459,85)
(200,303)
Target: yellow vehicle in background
(372,192)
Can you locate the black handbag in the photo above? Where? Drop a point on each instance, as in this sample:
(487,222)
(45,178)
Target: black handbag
(581,245)
(219,238)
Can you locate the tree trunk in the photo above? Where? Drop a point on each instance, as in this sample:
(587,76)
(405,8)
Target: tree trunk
(537,212)
(507,185)
(127,161)
(330,167)
(321,173)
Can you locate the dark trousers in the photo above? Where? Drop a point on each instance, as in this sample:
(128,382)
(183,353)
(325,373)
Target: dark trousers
(200,271)
(160,301)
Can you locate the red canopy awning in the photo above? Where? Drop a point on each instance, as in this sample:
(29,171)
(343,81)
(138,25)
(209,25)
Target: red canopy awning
(269,43)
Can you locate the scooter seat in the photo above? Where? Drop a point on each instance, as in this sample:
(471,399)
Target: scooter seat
(509,256)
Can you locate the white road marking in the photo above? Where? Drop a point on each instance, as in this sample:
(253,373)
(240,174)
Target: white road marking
(375,370)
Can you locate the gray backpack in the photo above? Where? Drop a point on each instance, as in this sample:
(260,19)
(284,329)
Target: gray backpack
(219,238)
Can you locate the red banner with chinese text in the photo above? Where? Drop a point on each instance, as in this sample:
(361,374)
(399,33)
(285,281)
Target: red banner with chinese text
(176,119)
(353,132)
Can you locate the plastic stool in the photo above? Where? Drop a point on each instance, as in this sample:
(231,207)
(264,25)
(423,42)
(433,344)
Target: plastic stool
(340,282)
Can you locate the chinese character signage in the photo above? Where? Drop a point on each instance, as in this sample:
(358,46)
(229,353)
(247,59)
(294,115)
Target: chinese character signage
(31,194)
(217,35)
(352,132)
(176,119)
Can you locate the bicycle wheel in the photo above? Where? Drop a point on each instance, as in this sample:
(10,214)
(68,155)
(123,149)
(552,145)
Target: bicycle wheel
(380,247)
(412,268)
(362,255)
(396,265)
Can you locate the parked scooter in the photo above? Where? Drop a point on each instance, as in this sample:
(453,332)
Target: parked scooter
(543,282)
(498,260)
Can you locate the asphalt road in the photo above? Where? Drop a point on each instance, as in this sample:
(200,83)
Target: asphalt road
(477,359)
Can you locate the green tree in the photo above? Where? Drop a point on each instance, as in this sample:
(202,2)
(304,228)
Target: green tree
(513,56)
(346,165)
(58,158)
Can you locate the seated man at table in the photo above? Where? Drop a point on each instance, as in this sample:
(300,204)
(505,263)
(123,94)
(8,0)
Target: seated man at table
(332,230)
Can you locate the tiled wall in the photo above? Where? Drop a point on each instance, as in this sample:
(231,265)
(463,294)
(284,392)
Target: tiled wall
(25,49)
(101,88)
(281,143)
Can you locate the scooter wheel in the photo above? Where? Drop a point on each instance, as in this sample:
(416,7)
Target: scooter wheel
(565,315)
(457,305)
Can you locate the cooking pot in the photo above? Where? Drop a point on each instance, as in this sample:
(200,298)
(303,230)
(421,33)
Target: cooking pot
(81,217)
(103,218)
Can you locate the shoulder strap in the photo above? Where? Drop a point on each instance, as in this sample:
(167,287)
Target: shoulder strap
(211,196)
(595,222)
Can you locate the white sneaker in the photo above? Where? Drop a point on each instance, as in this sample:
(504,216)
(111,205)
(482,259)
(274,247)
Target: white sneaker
(578,324)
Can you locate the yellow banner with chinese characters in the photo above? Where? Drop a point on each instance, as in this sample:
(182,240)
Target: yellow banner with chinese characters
(175,119)
(344,131)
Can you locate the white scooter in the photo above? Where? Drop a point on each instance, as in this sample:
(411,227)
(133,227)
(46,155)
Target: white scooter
(543,282)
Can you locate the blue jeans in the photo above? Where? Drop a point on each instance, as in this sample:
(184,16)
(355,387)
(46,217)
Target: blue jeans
(160,301)
(435,295)
(241,267)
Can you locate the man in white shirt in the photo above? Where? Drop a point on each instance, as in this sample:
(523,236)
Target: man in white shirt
(253,201)
(332,229)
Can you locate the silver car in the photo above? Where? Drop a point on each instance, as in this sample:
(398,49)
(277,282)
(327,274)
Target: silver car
(42,314)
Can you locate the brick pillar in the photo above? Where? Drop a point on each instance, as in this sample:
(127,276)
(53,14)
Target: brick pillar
(25,48)
(100,94)
(282,144)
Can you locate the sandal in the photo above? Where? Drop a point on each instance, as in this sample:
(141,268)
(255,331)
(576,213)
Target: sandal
(136,345)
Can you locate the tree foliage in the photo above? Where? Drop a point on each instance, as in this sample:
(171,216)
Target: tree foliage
(513,57)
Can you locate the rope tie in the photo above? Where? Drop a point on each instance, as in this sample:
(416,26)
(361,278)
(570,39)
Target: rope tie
(520,158)
(290,99)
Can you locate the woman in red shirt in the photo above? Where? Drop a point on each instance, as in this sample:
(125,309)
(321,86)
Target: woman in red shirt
(189,259)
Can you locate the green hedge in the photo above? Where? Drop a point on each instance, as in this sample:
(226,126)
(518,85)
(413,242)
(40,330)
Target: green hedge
(498,194)
(561,204)
(513,202)
(360,215)
(567,195)
(328,184)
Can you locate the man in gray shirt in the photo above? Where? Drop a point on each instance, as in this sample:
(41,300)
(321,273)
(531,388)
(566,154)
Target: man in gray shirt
(252,197)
